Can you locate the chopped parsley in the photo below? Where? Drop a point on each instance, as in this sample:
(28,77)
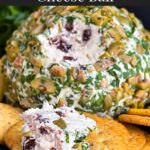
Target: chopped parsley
(56,18)
(115,83)
(67,137)
(130,33)
(87,20)
(70,19)
(89,80)
(35,92)
(27,78)
(144,44)
(70,102)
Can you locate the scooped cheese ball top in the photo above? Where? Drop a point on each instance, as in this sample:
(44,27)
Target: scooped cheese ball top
(55,129)
(95,58)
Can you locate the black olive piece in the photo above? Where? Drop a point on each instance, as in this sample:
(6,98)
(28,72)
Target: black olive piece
(69,27)
(29,144)
(87,34)
(63,46)
(69,58)
(43,130)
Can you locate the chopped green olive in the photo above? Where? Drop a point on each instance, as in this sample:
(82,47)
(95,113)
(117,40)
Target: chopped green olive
(60,123)
(67,137)
(44,85)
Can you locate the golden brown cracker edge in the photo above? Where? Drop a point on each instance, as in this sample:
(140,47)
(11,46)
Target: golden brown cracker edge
(13,136)
(141,112)
(135,119)
(8,116)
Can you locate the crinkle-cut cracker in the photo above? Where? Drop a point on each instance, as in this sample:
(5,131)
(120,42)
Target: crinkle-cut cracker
(117,127)
(140,112)
(8,116)
(13,136)
(110,135)
(135,119)
(110,123)
(106,139)
(147,145)
(137,139)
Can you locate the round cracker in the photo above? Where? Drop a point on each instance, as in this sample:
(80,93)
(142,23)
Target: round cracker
(116,127)
(147,145)
(8,116)
(110,123)
(110,134)
(137,138)
(13,136)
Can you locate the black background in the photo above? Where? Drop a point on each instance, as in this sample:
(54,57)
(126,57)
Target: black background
(77,2)
(143,13)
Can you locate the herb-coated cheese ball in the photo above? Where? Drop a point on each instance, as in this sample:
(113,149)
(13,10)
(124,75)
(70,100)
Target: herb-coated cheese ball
(96,58)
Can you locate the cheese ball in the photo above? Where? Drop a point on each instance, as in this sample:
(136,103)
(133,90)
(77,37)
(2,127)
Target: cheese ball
(95,58)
